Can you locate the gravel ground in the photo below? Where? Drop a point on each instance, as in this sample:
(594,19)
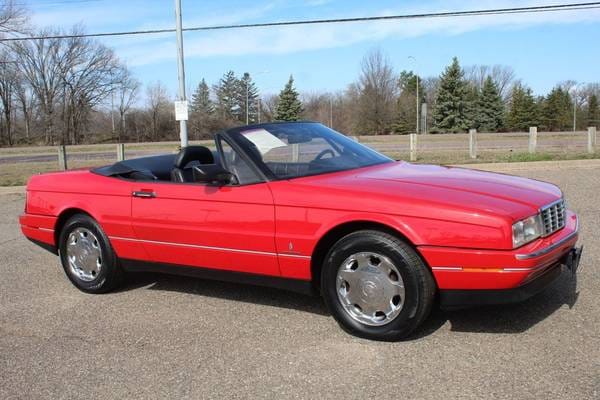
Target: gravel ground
(176,337)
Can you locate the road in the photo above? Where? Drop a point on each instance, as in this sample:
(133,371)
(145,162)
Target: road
(170,337)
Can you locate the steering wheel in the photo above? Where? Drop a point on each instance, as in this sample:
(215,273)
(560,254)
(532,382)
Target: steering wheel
(323,153)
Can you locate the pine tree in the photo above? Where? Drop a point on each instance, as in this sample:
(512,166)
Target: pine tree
(406,116)
(490,108)
(248,99)
(449,113)
(228,98)
(523,110)
(593,111)
(557,110)
(289,106)
(472,97)
(202,110)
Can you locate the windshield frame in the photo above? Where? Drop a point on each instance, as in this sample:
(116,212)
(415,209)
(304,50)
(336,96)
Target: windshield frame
(240,142)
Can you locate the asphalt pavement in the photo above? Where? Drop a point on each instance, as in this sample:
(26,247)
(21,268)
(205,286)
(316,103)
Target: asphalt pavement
(173,337)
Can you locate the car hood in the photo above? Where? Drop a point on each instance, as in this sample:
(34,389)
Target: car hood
(463,182)
(423,190)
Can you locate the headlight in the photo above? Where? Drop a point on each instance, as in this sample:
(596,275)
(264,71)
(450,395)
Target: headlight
(526,230)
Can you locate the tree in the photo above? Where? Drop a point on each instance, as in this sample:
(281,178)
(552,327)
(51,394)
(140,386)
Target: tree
(450,111)
(522,112)
(490,108)
(127,90)
(248,99)
(406,117)
(227,92)
(289,106)
(593,111)
(557,109)
(202,110)
(8,83)
(158,101)
(13,17)
(501,75)
(377,89)
(42,63)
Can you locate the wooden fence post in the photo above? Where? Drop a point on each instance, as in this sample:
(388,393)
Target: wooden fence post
(413,147)
(473,143)
(532,139)
(62,157)
(591,144)
(120,152)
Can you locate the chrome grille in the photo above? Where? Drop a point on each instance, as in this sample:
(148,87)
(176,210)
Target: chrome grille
(553,217)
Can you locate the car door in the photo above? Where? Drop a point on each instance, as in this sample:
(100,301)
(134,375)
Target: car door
(228,227)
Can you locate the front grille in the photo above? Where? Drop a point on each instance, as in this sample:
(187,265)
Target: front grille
(553,217)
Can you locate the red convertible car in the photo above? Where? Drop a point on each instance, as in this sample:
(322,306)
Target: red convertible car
(300,206)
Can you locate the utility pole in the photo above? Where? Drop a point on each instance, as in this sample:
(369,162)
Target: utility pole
(181,74)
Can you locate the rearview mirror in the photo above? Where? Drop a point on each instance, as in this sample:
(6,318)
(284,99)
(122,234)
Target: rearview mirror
(213,174)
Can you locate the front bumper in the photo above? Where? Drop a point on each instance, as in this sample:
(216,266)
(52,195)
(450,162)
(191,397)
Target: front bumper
(453,299)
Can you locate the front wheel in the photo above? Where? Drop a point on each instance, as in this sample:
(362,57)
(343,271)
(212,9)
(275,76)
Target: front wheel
(376,286)
(87,256)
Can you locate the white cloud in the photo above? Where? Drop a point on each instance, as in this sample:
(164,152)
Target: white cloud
(150,49)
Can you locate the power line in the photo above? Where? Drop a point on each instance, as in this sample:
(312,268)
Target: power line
(484,12)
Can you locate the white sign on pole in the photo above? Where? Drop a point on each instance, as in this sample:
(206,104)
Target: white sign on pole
(181,110)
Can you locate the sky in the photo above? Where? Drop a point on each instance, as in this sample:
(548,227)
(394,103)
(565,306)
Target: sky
(543,48)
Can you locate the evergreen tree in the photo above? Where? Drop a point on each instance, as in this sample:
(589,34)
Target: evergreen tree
(490,108)
(248,99)
(523,110)
(406,117)
(289,106)
(557,110)
(449,113)
(471,105)
(202,110)
(593,111)
(228,98)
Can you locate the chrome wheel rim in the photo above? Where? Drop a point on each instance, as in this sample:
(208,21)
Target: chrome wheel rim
(84,254)
(370,288)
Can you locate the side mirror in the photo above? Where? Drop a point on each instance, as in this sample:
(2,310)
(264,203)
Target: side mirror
(213,174)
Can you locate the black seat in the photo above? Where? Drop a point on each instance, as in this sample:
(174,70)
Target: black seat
(189,155)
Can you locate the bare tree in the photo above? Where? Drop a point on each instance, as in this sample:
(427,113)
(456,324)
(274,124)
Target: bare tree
(127,90)
(13,17)
(502,75)
(91,70)
(26,101)
(8,81)
(377,88)
(43,65)
(158,99)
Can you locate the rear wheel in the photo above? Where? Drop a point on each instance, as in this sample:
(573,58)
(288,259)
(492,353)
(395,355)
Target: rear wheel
(376,286)
(87,257)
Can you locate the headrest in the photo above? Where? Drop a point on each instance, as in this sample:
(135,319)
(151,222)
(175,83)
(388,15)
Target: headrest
(194,153)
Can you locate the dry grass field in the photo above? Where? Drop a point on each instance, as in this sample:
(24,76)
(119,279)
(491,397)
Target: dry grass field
(17,164)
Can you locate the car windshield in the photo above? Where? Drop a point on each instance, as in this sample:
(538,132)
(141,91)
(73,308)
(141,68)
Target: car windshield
(291,150)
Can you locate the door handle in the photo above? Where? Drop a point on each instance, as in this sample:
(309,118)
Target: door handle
(144,194)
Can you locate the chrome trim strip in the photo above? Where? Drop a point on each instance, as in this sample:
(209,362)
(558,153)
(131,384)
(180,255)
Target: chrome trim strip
(46,229)
(447,268)
(197,246)
(525,269)
(551,247)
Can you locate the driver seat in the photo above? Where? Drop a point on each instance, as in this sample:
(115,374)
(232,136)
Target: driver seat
(187,155)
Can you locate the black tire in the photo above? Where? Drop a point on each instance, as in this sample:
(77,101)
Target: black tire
(110,275)
(419,284)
